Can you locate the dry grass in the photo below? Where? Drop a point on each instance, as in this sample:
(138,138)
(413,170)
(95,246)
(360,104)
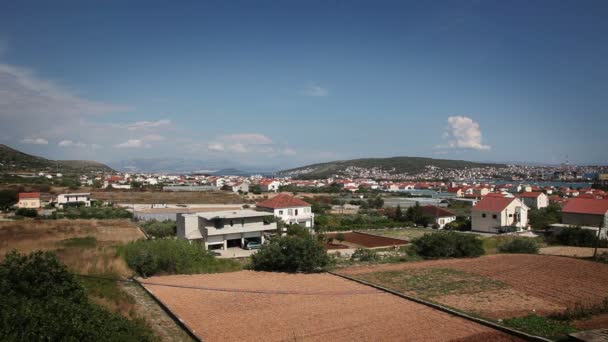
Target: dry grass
(579,252)
(87,247)
(29,235)
(151,197)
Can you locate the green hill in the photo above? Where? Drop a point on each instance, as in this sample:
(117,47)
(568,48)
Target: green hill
(12,160)
(393,165)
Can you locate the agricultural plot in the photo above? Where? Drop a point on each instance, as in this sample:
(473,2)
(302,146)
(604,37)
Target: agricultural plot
(402,234)
(254,306)
(358,239)
(497,286)
(152,197)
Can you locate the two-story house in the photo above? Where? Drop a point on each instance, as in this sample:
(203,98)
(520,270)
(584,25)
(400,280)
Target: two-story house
(75,198)
(290,209)
(499,214)
(30,200)
(225,229)
(536,200)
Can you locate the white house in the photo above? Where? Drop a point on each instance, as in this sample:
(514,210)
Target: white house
(74,198)
(269,185)
(240,186)
(224,229)
(495,214)
(536,200)
(440,216)
(290,209)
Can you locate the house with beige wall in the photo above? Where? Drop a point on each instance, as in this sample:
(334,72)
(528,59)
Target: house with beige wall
(29,200)
(499,214)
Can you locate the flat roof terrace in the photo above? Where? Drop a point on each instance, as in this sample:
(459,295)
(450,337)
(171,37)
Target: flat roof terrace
(254,306)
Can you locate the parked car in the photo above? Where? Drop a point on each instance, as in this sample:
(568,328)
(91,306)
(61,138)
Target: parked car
(253,245)
(215,253)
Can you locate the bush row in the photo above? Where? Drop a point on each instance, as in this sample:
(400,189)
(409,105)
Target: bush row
(169,256)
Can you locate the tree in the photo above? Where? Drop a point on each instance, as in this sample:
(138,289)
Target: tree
(8,198)
(291,254)
(255,189)
(340,237)
(398,213)
(42,301)
(297,230)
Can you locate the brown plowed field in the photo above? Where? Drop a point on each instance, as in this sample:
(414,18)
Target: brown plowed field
(534,283)
(370,241)
(260,306)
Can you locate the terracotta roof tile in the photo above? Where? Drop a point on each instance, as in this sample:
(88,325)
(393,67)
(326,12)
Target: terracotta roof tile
(586,206)
(283,201)
(493,204)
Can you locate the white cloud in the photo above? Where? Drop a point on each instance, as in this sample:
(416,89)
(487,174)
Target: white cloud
(70,143)
(315,90)
(148,124)
(463,133)
(215,147)
(35,141)
(132,143)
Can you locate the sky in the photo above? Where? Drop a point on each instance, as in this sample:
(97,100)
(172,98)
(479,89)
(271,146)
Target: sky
(278,84)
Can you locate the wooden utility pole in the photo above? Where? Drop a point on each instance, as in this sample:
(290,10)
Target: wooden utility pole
(597,242)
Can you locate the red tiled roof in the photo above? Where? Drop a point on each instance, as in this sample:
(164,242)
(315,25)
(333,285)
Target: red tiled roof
(586,206)
(283,201)
(24,195)
(530,194)
(493,204)
(434,211)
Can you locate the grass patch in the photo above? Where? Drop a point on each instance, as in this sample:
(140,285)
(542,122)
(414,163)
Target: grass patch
(80,242)
(540,326)
(405,233)
(434,282)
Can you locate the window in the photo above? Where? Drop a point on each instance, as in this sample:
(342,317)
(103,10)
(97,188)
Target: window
(280,212)
(231,223)
(483,215)
(290,212)
(296,212)
(510,215)
(494,216)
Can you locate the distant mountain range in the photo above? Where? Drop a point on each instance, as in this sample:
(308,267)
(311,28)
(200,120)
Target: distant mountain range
(178,165)
(12,160)
(393,165)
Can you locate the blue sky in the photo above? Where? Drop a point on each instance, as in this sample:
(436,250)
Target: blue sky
(285,83)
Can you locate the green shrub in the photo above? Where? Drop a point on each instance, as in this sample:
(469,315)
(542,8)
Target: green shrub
(362,254)
(160,229)
(577,236)
(100,213)
(169,256)
(540,326)
(448,245)
(42,301)
(81,242)
(291,254)
(519,245)
(26,212)
(8,198)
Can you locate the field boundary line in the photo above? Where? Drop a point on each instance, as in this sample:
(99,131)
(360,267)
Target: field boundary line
(180,322)
(448,310)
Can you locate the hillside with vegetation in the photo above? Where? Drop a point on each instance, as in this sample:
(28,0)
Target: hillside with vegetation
(394,165)
(12,160)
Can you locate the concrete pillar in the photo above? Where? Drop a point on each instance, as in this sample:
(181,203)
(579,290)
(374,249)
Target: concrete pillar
(225,245)
(262,238)
(242,241)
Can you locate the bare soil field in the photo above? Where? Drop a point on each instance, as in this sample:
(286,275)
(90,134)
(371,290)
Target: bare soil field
(579,252)
(152,197)
(357,239)
(402,233)
(254,306)
(511,284)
